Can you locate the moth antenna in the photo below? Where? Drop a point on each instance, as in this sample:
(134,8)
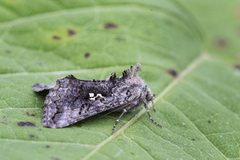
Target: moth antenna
(124,111)
(146,106)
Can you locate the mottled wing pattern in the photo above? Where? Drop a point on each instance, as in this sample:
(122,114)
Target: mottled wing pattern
(71,99)
(41,87)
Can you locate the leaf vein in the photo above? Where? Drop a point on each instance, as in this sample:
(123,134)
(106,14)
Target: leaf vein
(189,68)
(196,128)
(137,145)
(210,98)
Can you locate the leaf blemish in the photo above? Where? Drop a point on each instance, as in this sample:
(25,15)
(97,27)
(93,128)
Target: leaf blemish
(172,72)
(71,32)
(33,115)
(56,37)
(22,124)
(209,121)
(110,26)
(31,136)
(87,54)
(221,42)
(4,120)
(119,38)
(40,64)
(238,12)
(55,158)
(237,66)
(8,51)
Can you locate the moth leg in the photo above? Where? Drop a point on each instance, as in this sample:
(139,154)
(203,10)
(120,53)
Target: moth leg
(124,111)
(146,106)
(153,107)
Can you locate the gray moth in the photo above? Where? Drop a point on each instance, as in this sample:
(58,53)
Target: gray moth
(71,100)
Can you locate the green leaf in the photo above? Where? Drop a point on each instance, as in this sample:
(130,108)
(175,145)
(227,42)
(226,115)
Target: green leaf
(199,108)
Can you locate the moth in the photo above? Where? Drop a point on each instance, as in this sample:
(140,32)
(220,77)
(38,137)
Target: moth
(72,100)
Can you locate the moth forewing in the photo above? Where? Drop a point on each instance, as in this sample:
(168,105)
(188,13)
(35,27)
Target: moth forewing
(72,100)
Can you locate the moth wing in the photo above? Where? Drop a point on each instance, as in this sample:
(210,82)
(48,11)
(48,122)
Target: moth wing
(66,104)
(37,87)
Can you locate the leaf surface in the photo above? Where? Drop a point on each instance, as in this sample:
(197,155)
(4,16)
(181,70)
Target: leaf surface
(197,89)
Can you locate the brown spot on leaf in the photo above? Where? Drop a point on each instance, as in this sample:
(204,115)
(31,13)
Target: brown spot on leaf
(238,56)
(55,158)
(47,146)
(238,12)
(193,139)
(87,54)
(221,42)
(172,72)
(22,124)
(237,66)
(71,32)
(40,64)
(209,121)
(147,32)
(4,120)
(56,37)
(33,115)
(8,51)
(110,26)
(119,38)
(132,153)
(31,136)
